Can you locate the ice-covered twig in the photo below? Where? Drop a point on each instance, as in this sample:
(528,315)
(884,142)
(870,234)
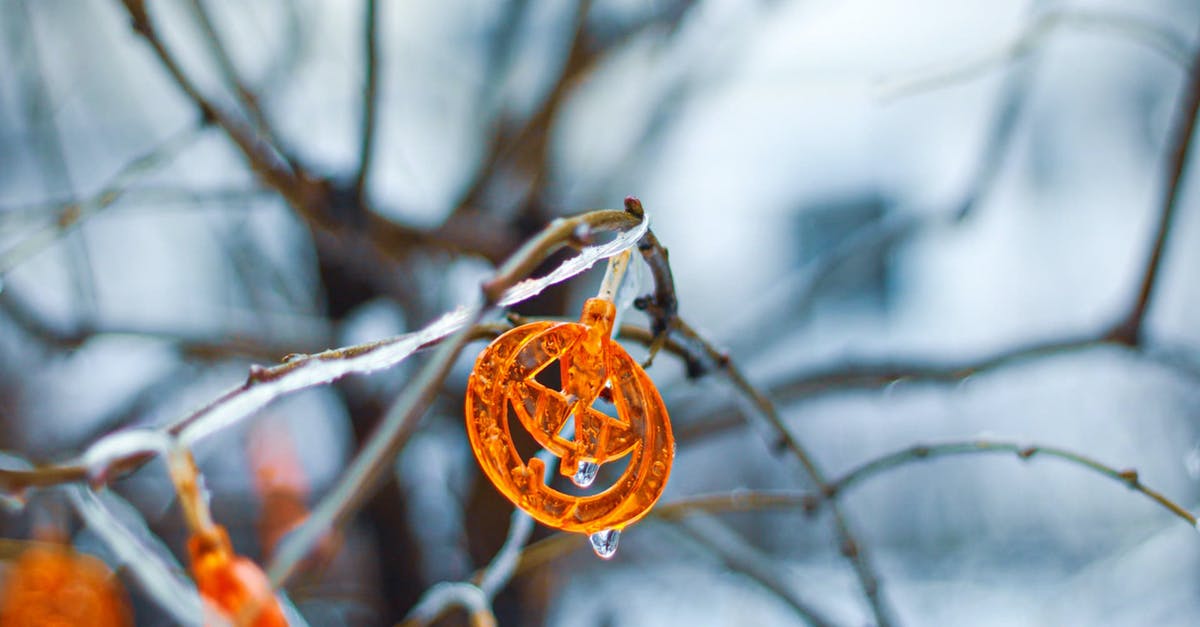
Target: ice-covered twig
(113,455)
(163,581)
(505,287)
(491,579)
(298,372)
(368,467)
(445,595)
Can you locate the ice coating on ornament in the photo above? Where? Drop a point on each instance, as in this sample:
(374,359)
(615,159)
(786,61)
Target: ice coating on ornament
(591,364)
(585,474)
(604,543)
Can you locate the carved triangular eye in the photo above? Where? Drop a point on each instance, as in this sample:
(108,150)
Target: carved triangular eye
(595,373)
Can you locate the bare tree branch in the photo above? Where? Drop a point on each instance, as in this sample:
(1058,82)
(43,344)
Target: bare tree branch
(312,199)
(1131,331)
(742,557)
(70,215)
(1033,34)
(246,96)
(851,548)
(837,488)
(264,385)
(50,150)
(540,553)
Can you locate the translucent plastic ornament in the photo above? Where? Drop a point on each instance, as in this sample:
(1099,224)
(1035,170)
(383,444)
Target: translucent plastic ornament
(591,365)
(54,585)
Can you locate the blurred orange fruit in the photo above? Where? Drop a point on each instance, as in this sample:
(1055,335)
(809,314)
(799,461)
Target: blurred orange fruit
(52,585)
(233,583)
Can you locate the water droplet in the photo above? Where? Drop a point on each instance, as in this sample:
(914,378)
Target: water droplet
(585,474)
(604,543)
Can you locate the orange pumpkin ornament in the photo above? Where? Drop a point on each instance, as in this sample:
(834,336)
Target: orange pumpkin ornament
(591,365)
(53,585)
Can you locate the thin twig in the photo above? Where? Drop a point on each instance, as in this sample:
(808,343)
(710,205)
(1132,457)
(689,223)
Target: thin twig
(662,306)
(51,151)
(1131,331)
(870,373)
(72,214)
(920,452)
(743,557)
(261,387)
(750,500)
(866,374)
(246,96)
(851,548)
(560,232)
(370,101)
(158,575)
(539,553)
(441,597)
(481,588)
(1033,35)
(221,344)
(263,158)
(530,140)
(362,478)
(524,149)
(313,200)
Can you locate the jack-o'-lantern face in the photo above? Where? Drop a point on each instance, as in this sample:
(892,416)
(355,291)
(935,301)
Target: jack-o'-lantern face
(591,365)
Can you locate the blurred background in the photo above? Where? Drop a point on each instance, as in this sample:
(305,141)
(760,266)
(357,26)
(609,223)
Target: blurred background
(908,222)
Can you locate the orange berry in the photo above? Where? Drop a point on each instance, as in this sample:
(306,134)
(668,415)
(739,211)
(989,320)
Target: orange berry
(233,583)
(51,585)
